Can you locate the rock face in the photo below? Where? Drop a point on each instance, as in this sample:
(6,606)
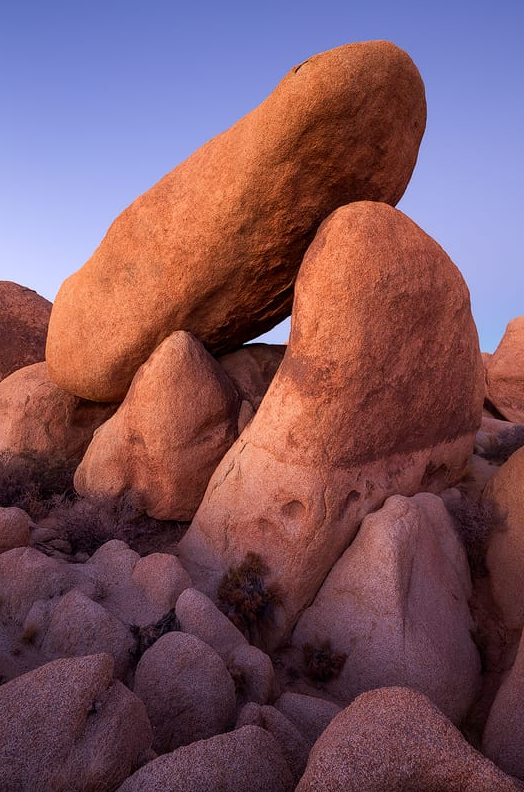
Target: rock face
(14,528)
(395,739)
(37,417)
(187,691)
(357,410)
(503,738)
(396,604)
(24,316)
(505,557)
(505,373)
(245,759)
(215,246)
(165,456)
(68,727)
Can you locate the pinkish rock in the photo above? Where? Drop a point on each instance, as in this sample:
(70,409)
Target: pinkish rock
(14,528)
(24,316)
(162,578)
(292,744)
(186,689)
(395,739)
(69,727)
(396,604)
(353,414)
(165,456)
(245,760)
(38,418)
(503,738)
(214,246)
(309,714)
(505,373)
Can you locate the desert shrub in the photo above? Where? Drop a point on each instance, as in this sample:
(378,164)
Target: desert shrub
(35,482)
(474,523)
(245,597)
(87,523)
(147,636)
(321,663)
(504,444)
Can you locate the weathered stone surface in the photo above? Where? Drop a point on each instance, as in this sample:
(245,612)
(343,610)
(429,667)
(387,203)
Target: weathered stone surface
(200,617)
(310,715)
(164,456)
(187,691)
(39,418)
(505,557)
(245,759)
(396,603)
(215,246)
(395,739)
(14,528)
(357,410)
(292,744)
(68,727)
(24,316)
(505,373)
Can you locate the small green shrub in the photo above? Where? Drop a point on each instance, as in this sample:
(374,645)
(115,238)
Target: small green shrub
(245,597)
(321,663)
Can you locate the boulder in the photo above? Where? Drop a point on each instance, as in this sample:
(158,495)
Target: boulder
(311,715)
(40,419)
(395,739)
(505,556)
(354,413)
(503,738)
(24,316)
(214,246)
(164,457)
(68,727)
(396,605)
(14,528)
(505,373)
(245,759)
(186,689)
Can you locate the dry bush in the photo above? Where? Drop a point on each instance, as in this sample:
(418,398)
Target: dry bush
(321,663)
(245,597)
(147,636)
(474,523)
(87,523)
(35,483)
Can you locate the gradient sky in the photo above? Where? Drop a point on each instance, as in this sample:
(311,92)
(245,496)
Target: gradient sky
(101,99)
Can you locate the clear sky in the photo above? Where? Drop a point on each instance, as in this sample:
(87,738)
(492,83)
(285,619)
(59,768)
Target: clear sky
(100,99)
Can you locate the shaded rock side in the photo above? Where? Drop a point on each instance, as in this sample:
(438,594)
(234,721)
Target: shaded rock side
(68,727)
(396,604)
(214,247)
(174,426)
(380,392)
(24,316)
(505,556)
(39,418)
(505,373)
(395,739)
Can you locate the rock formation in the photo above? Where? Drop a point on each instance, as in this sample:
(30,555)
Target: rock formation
(380,392)
(24,317)
(215,246)
(505,373)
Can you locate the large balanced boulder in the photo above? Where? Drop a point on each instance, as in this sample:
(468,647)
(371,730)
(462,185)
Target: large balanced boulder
(214,247)
(38,418)
(24,316)
(395,739)
(68,727)
(174,426)
(505,557)
(380,392)
(505,373)
(396,605)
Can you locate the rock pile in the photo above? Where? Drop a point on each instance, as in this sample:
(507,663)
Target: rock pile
(276,567)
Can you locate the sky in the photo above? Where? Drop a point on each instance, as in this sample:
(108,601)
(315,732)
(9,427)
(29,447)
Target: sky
(98,100)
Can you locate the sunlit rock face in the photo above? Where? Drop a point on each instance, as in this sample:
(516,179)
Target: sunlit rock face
(24,316)
(214,247)
(380,392)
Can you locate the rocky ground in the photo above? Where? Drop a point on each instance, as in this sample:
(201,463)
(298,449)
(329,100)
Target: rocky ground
(229,567)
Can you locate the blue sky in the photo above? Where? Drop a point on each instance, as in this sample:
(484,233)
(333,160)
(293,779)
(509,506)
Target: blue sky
(100,99)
